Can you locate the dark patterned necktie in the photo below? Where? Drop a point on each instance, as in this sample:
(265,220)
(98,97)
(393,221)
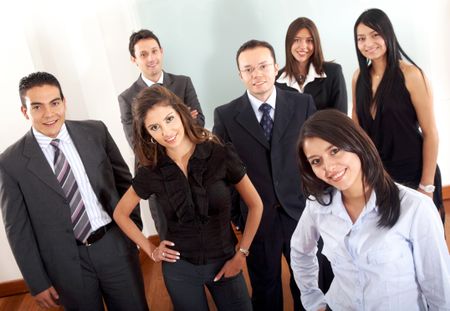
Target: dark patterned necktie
(266,121)
(80,220)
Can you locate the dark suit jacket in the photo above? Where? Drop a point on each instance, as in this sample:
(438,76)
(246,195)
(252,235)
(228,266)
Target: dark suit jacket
(180,85)
(273,169)
(329,92)
(35,210)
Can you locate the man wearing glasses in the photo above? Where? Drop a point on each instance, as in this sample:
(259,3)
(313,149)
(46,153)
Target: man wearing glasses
(263,125)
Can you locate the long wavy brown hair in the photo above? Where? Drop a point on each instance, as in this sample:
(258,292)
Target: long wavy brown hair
(146,149)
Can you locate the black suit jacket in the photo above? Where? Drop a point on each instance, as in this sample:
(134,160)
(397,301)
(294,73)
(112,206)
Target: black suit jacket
(35,210)
(329,92)
(273,168)
(180,85)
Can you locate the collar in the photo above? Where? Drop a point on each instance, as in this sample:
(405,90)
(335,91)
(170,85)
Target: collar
(291,82)
(256,103)
(202,151)
(44,141)
(337,206)
(150,82)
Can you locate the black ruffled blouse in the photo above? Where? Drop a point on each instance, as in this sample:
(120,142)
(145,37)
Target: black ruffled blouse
(197,208)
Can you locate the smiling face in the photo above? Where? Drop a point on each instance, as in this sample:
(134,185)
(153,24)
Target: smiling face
(45,109)
(258,71)
(149,58)
(370,43)
(303,46)
(164,124)
(338,168)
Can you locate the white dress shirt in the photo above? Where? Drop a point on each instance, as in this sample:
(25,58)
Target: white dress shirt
(291,82)
(150,82)
(256,103)
(97,215)
(406,267)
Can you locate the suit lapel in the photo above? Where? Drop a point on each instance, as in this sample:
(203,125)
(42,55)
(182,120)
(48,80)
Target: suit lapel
(283,115)
(140,83)
(167,80)
(247,119)
(38,164)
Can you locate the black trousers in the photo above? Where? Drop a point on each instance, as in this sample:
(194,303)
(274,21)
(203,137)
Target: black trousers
(264,263)
(111,273)
(186,283)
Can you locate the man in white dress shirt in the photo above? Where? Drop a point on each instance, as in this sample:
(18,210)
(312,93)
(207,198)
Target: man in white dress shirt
(59,185)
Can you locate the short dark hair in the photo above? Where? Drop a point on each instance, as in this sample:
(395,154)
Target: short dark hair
(34,79)
(140,35)
(339,130)
(147,150)
(253,44)
(317,56)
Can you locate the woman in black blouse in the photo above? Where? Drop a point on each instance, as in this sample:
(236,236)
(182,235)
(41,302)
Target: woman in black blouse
(307,72)
(191,173)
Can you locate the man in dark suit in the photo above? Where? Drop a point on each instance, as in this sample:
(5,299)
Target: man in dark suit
(263,125)
(59,185)
(146,52)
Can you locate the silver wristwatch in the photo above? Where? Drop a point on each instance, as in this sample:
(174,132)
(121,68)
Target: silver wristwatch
(427,188)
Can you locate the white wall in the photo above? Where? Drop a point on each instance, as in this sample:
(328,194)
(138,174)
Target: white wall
(85,44)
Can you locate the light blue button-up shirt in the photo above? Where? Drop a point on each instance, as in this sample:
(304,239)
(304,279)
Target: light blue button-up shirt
(406,267)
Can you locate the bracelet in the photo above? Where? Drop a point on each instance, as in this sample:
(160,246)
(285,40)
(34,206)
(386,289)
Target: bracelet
(152,254)
(244,251)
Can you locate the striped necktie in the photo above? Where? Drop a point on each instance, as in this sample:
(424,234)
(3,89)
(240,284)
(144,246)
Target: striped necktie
(80,220)
(266,121)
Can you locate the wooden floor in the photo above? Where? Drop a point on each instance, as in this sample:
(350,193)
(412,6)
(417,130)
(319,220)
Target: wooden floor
(157,297)
(156,293)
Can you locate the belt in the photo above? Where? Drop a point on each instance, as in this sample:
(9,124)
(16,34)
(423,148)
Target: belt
(96,235)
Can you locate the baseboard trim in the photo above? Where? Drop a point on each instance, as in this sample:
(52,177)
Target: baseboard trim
(17,287)
(13,287)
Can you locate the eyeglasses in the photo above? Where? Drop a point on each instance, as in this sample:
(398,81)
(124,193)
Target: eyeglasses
(261,68)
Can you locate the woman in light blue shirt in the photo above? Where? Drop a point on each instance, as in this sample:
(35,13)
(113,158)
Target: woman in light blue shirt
(385,241)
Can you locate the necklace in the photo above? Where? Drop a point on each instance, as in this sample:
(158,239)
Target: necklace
(301,79)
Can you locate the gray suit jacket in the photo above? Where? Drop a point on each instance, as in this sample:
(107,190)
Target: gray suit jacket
(35,210)
(272,167)
(180,85)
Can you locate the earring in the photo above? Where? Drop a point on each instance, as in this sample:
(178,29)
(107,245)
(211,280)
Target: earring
(152,140)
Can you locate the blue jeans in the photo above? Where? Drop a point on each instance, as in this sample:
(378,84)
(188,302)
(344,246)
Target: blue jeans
(185,283)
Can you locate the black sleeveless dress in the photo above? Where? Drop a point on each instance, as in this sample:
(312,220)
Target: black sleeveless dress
(396,134)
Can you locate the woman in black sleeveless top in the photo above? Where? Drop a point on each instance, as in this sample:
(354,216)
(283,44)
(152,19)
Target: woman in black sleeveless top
(392,102)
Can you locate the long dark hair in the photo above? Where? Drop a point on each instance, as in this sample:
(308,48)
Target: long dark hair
(377,20)
(146,149)
(339,130)
(316,59)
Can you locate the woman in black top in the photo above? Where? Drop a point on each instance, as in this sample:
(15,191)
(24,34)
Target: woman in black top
(307,72)
(191,173)
(393,103)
